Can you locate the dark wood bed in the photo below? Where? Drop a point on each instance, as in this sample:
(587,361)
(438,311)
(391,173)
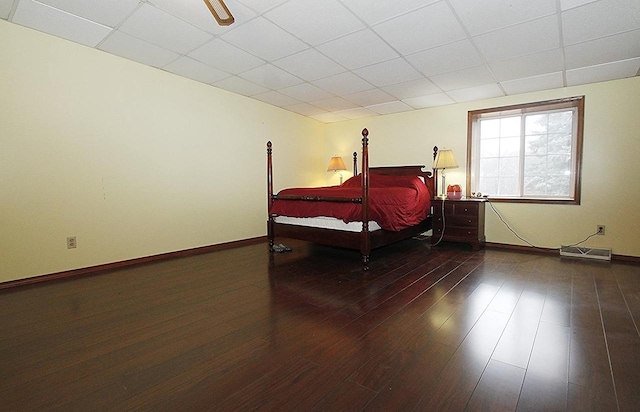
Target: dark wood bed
(365,240)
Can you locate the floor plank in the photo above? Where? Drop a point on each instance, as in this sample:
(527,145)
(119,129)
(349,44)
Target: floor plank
(498,388)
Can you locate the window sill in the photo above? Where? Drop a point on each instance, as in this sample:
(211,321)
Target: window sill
(543,201)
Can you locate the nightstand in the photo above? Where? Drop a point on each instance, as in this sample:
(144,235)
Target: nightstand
(463,221)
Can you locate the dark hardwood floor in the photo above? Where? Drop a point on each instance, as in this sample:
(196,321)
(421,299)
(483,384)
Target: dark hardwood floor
(425,329)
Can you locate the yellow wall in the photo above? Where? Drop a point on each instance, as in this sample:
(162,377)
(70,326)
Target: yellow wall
(610,170)
(131,160)
(134,161)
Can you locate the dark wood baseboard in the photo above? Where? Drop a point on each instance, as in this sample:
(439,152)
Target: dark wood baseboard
(520,248)
(529,249)
(91,270)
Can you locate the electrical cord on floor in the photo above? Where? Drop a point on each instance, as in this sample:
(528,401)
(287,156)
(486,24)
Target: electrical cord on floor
(526,241)
(443,225)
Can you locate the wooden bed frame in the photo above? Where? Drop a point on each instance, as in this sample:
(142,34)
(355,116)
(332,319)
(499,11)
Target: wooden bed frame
(364,241)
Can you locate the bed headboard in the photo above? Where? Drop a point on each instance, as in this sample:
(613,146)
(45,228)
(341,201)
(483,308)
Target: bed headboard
(429,177)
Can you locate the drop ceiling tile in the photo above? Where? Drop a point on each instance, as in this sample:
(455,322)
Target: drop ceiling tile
(369,97)
(389,72)
(261,6)
(390,107)
(485,91)
(484,16)
(271,77)
(343,83)
(304,109)
(305,92)
(225,57)
(611,48)
(463,79)
(197,13)
(307,20)
(384,10)
(193,69)
(531,37)
(527,66)
(333,104)
(241,86)
(432,100)
(59,23)
(570,4)
(110,13)
(275,98)
(599,19)
(5,8)
(450,57)
(123,45)
(351,52)
(329,117)
(264,39)
(357,113)
(421,29)
(532,84)
(603,72)
(162,29)
(415,88)
(309,65)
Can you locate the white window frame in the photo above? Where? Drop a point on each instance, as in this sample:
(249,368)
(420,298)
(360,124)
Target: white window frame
(473,147)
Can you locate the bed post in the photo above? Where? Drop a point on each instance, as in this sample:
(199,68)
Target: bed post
(435,173)
(269,196)
(364,235)
(355,163)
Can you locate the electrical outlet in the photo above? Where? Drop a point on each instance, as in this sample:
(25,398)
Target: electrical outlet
(71,242)
(601,229)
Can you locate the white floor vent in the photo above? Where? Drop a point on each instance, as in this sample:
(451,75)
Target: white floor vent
(585,252)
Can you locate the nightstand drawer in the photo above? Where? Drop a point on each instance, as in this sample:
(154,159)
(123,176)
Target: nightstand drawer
(456,208)
(464,209)
(455,220)
(458,232)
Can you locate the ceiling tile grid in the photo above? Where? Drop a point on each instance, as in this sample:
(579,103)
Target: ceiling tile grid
(59,23)
(334,60)
(164,30)
(132,48)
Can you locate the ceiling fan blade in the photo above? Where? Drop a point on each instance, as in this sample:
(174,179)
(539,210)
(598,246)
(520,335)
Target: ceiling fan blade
(220,12)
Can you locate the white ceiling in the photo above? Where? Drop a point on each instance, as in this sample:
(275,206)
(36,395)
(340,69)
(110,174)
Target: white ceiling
(344,59)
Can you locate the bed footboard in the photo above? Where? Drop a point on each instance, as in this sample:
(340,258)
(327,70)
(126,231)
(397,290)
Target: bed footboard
(360,242)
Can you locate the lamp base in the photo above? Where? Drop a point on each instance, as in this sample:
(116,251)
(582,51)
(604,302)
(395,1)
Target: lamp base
(444,188)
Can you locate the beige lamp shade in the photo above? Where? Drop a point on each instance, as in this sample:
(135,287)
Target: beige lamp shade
(336,164)
(445,160)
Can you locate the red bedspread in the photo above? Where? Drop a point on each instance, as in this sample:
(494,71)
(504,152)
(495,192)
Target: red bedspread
(395,202)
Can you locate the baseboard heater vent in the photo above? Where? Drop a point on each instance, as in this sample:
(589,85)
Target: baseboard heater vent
(585,252)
